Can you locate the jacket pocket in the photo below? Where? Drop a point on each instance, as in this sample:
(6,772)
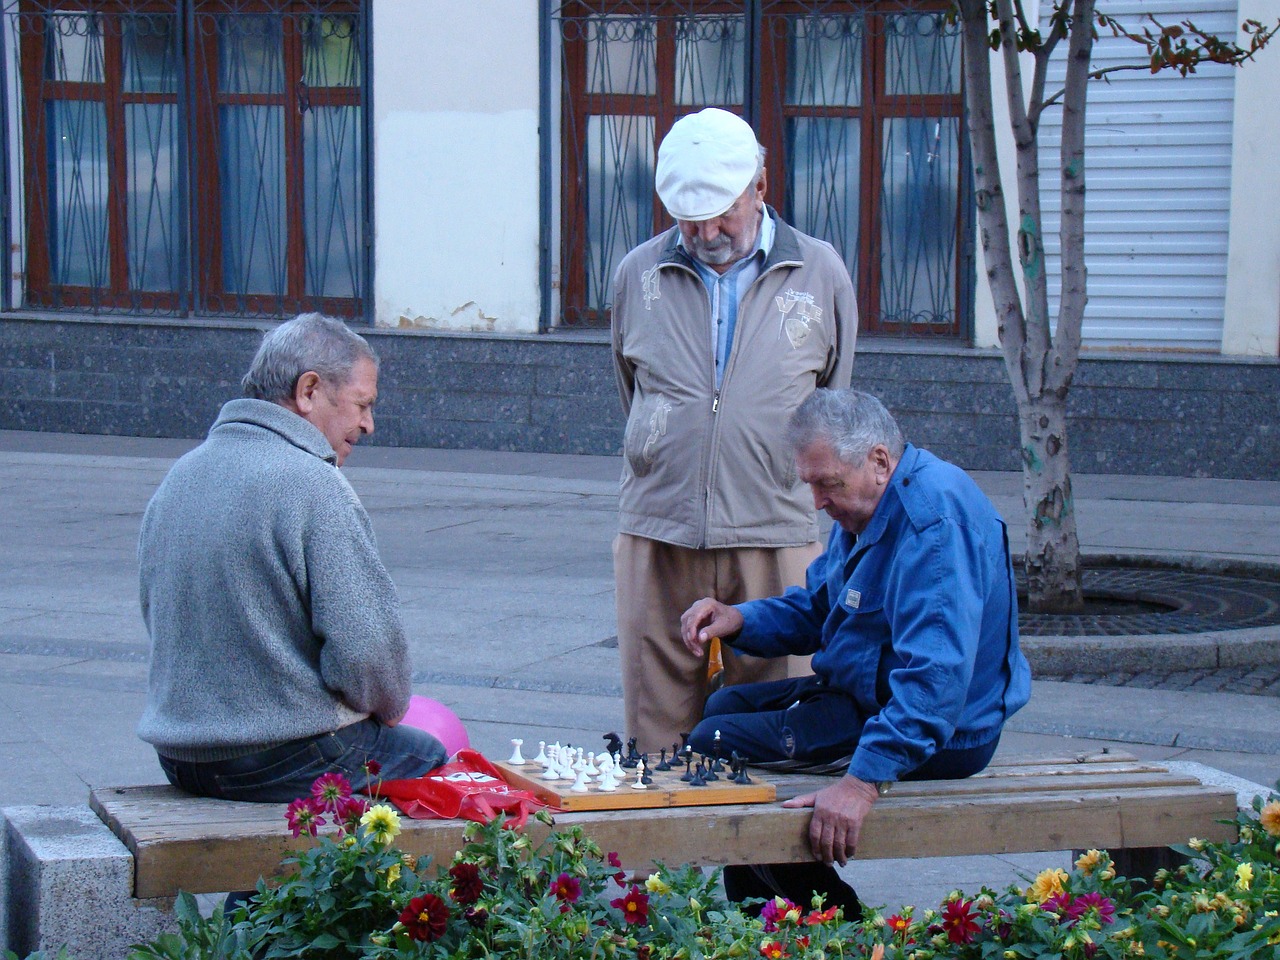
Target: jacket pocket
(646,433)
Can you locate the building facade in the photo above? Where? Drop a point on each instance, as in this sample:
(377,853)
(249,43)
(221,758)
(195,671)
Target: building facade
(461,180)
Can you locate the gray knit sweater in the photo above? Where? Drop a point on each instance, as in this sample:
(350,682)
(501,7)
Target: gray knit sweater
(271,615)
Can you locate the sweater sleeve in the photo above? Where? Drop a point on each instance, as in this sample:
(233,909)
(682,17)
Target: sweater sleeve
(355,613)
(934,603)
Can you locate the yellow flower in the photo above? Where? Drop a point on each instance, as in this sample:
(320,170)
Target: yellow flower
(1048,883)
(1270,818)
(1196,844)
(382,823)
(1244,875)
(393,875)
(655,884)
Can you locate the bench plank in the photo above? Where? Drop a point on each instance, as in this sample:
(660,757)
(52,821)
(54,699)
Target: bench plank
(1021,805)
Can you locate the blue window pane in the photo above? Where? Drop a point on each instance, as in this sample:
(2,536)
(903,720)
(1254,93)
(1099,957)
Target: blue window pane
(151,59)
(250,54)
(621,54)
(825,61)
(73,47)
(251,164)
(154,225)
(919,207)
(330,51)
(334,239)
(710,55)
(79,248)
(922,54)
(619,196)
(823,181)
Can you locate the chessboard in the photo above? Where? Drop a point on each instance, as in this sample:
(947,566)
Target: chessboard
(666,790)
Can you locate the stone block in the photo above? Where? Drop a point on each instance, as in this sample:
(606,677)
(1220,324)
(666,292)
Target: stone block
(68,881)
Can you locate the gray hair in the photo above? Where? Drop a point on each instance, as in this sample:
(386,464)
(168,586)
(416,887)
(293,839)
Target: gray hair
(851,421)
(310,341)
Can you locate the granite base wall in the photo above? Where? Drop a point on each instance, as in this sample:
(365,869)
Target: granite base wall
(1151,414)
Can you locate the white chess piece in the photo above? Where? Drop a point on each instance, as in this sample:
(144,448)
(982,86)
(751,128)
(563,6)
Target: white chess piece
(608,780)
(541,758)
(580,782)
(592,770)
(552,769)
(517,759)
(640,784)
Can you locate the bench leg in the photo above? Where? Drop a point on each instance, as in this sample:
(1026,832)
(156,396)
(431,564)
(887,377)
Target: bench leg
(1141,863)
(66,880)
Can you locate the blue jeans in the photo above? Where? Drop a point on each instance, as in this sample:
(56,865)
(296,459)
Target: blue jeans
(283,773)
(805,719)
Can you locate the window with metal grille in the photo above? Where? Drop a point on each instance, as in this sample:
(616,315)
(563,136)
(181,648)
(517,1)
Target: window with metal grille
(192,156)
(858,103)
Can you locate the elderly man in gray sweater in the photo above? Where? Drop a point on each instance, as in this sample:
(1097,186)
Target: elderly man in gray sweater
(277,650)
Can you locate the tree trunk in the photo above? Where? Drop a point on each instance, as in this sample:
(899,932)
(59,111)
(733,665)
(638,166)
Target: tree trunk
(1053,549)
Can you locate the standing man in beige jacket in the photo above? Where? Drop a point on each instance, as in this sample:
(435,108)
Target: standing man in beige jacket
(722,326)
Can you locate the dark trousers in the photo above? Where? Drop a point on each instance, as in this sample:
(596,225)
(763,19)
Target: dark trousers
(803,719)
(283,773)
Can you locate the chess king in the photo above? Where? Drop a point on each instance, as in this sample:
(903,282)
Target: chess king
(911,619)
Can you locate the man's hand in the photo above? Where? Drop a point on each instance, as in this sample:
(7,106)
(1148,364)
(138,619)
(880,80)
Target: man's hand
(706,619)
(838,812)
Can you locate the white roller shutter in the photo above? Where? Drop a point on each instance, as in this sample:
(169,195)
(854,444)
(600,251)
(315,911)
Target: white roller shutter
(1158,189)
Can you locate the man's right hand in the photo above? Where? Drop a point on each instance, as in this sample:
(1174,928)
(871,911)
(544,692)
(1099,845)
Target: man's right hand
(708,618)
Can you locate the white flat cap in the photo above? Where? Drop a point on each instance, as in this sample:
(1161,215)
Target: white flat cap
(705,163)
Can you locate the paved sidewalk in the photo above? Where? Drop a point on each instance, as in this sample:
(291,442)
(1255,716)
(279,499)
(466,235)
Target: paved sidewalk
(504,569)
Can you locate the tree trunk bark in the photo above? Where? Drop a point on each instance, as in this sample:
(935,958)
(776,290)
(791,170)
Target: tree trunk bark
(1053,548)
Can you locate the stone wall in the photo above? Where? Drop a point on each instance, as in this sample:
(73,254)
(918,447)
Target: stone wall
(1153,414)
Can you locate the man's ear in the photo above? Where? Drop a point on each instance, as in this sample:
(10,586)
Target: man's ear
(304,392)
(881,462)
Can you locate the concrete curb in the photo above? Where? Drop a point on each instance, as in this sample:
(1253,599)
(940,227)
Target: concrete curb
(1059,655)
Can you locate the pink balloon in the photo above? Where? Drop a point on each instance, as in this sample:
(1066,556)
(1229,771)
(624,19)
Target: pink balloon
(439,721)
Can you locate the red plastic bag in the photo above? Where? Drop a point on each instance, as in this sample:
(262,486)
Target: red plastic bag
(467,787)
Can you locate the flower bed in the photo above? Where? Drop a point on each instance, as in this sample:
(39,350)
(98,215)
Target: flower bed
(503,897)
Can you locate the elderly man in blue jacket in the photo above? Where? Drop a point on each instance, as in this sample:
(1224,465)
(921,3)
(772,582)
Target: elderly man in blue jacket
(911,617)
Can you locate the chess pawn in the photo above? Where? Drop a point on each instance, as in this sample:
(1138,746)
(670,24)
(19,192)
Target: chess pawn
(592,770)
(608,780)
(517,759)
(541,758)
(552,769)
(580,782)
(639,784)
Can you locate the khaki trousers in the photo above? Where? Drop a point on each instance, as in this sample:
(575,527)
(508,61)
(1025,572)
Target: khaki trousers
(664,686)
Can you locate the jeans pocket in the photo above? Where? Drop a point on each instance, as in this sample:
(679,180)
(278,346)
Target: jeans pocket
(274,778)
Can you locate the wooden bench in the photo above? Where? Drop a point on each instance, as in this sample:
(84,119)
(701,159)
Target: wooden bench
(1019,805)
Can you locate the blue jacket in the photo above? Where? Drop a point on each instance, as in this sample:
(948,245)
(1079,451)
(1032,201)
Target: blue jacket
(916,619)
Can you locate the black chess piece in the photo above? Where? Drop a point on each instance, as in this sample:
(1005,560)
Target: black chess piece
(740,769)
(663,765)
(699,776)
(709,769)
(688,768)
(632,757)
(613,743)
(645,776)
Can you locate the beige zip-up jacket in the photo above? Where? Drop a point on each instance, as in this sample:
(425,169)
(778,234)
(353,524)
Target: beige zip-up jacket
(708,468)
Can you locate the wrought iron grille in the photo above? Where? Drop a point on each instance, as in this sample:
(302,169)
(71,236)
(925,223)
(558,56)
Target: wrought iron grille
(192,156)
(858,103)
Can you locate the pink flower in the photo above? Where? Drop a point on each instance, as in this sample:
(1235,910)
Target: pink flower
(1093,901)
(303,816)
(777,911)
(959,923)
(566,888)
(620,878)
(330,790)
(349,812)
(634,906)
